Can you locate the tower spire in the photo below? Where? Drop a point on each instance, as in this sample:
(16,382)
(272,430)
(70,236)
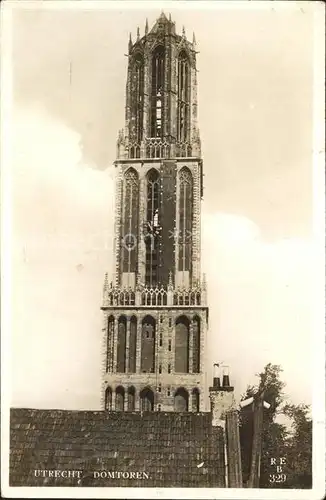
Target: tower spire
(130,42)
(146,27)
(105,288)
(138,34)
(194,39)
(204,282)
(106,282)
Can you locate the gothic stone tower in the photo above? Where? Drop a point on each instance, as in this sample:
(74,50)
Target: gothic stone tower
(155,312)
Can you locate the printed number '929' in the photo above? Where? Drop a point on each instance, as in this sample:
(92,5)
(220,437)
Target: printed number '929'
(277,478)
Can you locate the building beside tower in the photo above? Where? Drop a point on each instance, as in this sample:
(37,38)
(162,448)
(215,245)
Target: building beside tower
(155,305)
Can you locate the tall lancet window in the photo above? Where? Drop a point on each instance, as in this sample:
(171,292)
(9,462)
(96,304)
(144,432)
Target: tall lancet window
(152,234)
(183,96)
(121,345)
(130,221)
(182,332)
(185,219)
(137,99)
(110,345)
(108,398)
(196,345)
(157,92)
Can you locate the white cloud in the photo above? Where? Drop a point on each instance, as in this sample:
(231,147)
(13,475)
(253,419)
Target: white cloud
(260,301)
(62,247)
(227,229)
(56,196)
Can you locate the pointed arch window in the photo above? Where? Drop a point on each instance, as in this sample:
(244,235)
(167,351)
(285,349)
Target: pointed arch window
(119,398)
(185,219)
(182,330)
(132,344)
(121,347)
(153,228)
(148,337)
(196,345)
(147,400)
(137,100)
(131,398)
(110,344)
(130,221)
(181,399)
(183,97)
(157,97)
(108,399)
(195,400)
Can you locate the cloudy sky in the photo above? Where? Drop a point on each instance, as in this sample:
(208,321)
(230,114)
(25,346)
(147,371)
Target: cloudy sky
(255,114)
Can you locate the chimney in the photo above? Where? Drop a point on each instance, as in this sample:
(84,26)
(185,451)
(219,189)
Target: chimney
(225,416)
(221,396)
(216,378)
(226,377)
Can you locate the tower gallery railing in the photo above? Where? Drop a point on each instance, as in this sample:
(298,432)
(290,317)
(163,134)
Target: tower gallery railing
(153,147)
(115,296)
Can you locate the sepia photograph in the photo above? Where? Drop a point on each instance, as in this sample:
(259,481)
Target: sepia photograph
(162,249)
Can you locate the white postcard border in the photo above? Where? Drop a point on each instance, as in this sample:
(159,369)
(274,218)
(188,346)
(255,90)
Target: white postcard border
(318,407)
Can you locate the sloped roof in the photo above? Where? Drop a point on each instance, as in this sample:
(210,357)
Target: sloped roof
(161,20)
(164,24)
(174,449)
